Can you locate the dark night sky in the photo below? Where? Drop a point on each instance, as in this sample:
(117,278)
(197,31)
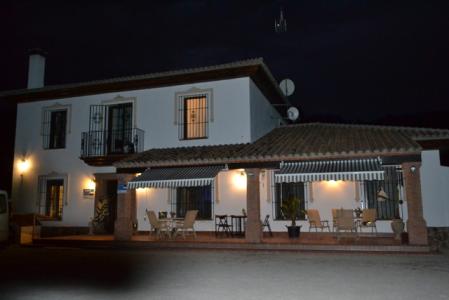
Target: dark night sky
(353,61)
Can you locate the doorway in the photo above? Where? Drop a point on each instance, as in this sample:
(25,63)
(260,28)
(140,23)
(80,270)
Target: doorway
(120,118)
(111,196)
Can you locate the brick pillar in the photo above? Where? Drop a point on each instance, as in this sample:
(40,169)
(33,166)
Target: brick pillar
(416,225)
(253,233)
(123,227)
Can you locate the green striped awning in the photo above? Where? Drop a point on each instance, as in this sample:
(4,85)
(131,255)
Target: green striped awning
(175,177)
(352,170)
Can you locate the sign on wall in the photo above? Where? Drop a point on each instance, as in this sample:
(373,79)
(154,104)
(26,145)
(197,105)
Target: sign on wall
(121,188)
(88,193)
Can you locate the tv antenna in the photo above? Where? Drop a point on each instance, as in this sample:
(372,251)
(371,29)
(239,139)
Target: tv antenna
(281,24)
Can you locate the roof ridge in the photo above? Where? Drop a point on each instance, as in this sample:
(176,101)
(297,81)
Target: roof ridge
(376,126)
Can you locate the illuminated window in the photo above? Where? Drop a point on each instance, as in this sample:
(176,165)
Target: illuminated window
(193,114)
(195,118)
(52,195)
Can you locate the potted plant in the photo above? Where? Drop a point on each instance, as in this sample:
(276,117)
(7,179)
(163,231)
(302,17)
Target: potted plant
(290,210)
(97,223)
(397,224)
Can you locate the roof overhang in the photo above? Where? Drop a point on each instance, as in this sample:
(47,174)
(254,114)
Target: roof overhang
(254,69)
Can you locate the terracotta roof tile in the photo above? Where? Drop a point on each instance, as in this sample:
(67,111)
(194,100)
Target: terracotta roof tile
(297,142)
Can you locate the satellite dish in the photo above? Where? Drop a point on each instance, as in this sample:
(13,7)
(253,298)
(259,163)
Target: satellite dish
(293,113)
(287,87)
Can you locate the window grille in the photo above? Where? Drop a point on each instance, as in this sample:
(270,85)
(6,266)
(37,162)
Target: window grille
(52,196)
(193,117)
(54,128)
(194,198)
(393,187)
(285,190)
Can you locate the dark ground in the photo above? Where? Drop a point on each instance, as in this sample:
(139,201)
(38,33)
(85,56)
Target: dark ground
(58,273)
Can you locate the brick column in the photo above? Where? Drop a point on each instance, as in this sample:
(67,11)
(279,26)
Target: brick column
(253,233)
(123,227)
(416,225)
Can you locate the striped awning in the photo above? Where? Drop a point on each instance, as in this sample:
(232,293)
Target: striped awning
(175,177)
(357,169)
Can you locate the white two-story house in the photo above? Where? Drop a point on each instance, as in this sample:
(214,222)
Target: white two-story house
(212,139)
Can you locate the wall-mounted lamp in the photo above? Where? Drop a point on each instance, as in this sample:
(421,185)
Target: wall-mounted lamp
(413,169)
(332,183)
(23,166)
(239,180)
(89,188)
(91,184)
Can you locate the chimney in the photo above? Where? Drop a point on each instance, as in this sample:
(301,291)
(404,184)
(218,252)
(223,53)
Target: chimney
(36,68)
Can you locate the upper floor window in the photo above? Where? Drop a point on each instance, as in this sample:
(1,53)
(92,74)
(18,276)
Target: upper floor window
(193,114)
(55,121)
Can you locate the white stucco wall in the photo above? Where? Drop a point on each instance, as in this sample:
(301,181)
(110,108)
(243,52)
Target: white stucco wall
(434,189)
(154,113)
(264,117)
(78,210)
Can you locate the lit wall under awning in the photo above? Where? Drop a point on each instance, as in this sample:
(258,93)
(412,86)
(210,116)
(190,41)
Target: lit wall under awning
(175,177)
(352,170)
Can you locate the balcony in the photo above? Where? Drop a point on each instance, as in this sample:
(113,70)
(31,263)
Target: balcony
(104,147)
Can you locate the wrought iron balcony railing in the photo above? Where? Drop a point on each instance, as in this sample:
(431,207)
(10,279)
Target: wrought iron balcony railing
(100,143)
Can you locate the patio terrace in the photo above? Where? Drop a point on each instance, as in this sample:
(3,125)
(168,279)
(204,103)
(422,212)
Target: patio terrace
(308,241)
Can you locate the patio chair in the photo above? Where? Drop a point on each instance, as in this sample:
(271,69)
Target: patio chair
(315,220)
(188,224)
(334,219)
(222,225)
(266,223)
(346,221)
(368,219)
(156,226)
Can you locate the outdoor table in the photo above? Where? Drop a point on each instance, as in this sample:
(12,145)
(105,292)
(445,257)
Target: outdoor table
(171,225)
(238,225)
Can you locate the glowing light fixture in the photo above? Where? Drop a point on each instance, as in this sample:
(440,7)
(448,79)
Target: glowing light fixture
(89,188)
(23,166)
(239,179)
(91,184)
(333,183)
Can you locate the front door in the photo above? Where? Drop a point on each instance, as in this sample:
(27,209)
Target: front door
(120,128)
(111,196)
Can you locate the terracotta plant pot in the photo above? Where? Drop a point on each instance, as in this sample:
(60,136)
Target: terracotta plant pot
(397,225)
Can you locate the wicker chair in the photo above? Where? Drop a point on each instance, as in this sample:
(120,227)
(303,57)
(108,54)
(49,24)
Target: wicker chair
(188,224)
(315,220)
(369,220)
(346,221)
(334,219)
(156,225)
